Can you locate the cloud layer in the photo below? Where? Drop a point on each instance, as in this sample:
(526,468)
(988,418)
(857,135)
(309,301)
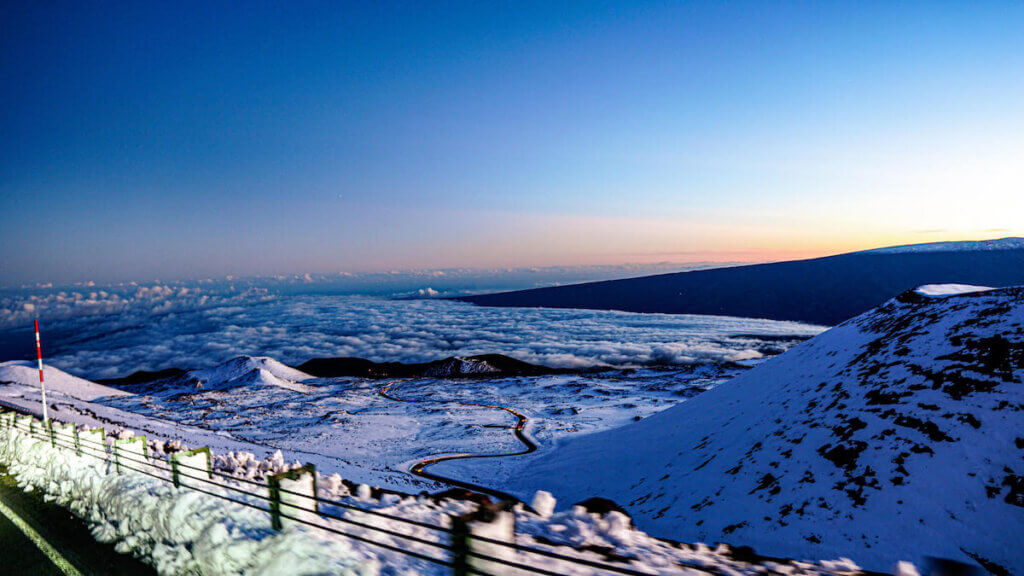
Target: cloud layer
(105,334)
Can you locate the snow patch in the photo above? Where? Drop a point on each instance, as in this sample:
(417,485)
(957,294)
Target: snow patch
(939,290)
(960,246)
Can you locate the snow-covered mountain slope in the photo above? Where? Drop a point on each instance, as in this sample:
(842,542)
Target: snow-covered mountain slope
(961,246)
(896,435)
(243,371)
(243,365)
(450,367)
(26,373)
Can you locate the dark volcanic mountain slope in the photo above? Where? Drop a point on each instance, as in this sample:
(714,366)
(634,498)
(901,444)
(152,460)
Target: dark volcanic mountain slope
(820,291)
(895,435)
(486,365)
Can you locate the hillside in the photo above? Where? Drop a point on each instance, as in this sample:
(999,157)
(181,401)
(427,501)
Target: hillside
(243,371)
(484,365)
(57,381)
(823,291)
(896,435)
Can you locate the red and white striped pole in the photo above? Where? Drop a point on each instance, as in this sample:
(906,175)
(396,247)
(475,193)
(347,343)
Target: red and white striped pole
(42,386)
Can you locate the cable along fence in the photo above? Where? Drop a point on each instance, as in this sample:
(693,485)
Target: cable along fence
(481,542)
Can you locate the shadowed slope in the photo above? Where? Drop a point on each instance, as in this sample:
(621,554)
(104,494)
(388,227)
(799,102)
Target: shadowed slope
(820,291)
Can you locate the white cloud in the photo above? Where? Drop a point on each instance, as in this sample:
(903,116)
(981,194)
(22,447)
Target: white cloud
(160,326)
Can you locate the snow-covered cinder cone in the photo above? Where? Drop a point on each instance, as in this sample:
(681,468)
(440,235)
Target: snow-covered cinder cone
(471,554)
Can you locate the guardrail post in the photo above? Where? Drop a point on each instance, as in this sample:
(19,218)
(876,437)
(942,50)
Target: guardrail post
(67,432)
(190,464)
(460,545)
(905,569)
(543,504)
(493,521)
(23,424)
(95,438)
(292,493)
(134,446)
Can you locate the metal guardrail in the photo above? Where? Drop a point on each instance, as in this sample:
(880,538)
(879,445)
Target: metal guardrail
(461,552)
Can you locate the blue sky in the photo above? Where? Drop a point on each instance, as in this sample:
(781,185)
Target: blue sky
(139,141)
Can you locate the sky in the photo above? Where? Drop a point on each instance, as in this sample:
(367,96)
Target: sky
(187,140)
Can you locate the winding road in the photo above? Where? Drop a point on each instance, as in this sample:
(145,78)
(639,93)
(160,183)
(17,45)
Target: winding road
(419,468)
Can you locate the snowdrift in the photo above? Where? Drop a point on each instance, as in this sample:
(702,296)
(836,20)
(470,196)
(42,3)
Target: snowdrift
(896,435)
(176,530)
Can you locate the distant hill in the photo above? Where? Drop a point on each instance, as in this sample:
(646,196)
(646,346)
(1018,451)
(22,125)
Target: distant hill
(486,365)
(820,291)
(267,370)
(894,436)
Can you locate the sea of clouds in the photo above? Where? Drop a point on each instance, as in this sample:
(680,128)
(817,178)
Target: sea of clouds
(102,333)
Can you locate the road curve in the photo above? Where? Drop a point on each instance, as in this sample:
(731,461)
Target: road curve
(419,468)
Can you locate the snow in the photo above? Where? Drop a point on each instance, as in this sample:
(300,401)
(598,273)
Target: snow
(178,531)
(960,246)
(251,417)
(346,426)
(939,290)
(56,381)
(543,503)
(893,436)
(461,366)
(181,531)
(270,371)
